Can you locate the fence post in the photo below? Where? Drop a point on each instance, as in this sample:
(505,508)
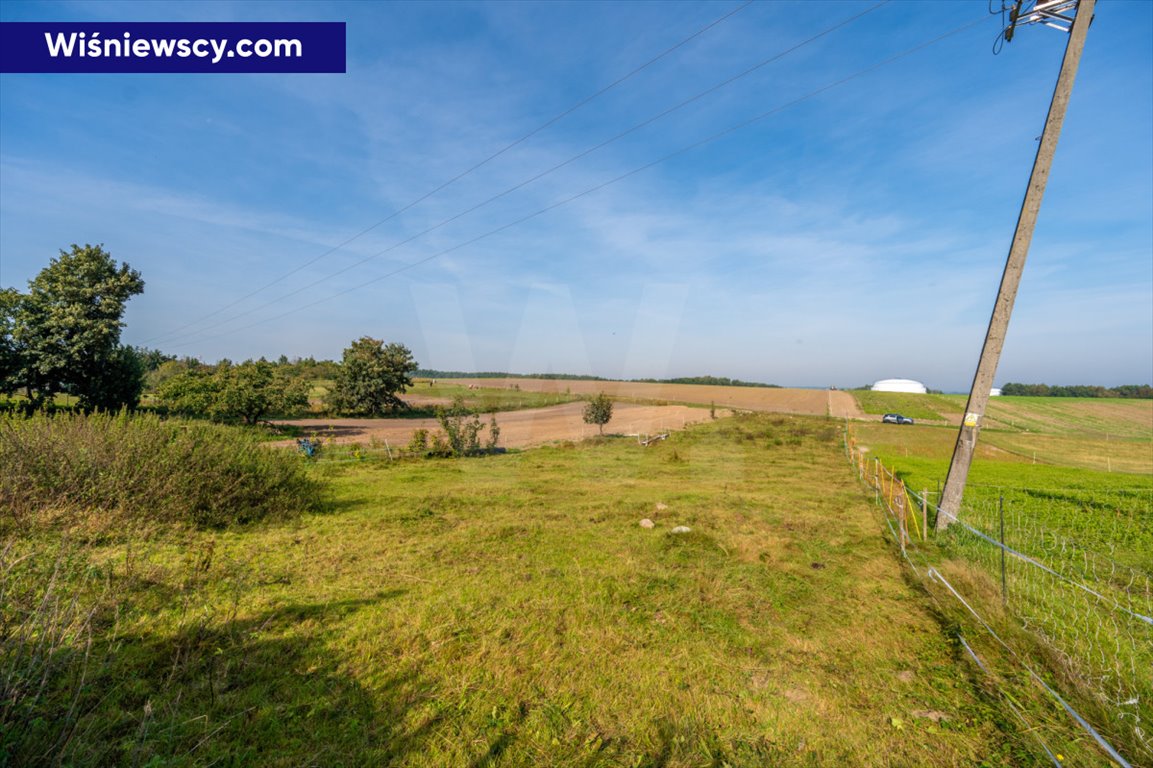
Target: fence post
(902,525)
(905,506)
(924,513)
(1004,585)
(891,482)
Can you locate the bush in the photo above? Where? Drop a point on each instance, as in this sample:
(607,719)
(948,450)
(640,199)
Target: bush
(120,467)
(461,436)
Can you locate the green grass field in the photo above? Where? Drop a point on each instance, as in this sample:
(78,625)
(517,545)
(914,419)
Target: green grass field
(1078,497)
(930,407)
(491,399)
(511,611)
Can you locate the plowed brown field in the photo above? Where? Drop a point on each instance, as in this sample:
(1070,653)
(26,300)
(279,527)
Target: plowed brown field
(518,429)
(537,426)
(817,402)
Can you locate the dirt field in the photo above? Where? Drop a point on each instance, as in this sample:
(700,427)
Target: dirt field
(818,402)
(518,429)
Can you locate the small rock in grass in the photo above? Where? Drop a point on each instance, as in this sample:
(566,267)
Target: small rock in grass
(646,523)
(681,529)
(661,506)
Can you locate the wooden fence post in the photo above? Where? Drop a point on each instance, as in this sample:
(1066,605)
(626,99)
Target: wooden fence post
(905,506)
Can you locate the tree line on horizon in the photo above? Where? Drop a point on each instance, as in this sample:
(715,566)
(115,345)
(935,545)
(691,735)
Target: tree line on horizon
(715,381)
(1125,391)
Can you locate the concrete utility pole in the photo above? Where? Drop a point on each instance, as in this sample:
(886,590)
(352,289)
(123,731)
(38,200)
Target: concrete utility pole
(1052,13)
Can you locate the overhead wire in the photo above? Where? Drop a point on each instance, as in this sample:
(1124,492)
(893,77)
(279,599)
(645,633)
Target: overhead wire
(542,174)
(476,166)
(597,187)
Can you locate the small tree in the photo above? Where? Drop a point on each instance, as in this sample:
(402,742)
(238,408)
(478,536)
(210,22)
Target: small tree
(599,411)
(462,427)
(371,376)
(493,435)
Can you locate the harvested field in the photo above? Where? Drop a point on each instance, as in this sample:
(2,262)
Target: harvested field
(518,429)
(814,402)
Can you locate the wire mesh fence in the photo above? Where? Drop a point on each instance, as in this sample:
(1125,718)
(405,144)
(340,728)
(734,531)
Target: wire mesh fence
(1048,588)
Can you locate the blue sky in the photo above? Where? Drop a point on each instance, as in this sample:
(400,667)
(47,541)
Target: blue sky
(855,235)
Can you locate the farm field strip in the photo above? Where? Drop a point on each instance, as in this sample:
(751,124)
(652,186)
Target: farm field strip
(518,429)
(1079,416)
(815,402)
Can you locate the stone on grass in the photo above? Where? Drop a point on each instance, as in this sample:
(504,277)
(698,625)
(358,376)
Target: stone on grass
(661,506)
(646,523)
(680,529)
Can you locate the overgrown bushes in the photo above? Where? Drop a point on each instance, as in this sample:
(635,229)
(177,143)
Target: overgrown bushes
(460,436)
(107,468)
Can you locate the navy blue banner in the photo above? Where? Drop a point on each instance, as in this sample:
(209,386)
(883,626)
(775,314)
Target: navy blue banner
(172,47)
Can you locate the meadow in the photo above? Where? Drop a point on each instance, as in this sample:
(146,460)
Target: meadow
(509,610)
(512,610)
(915,406)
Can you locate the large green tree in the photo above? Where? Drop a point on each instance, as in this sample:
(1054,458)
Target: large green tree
(67,330)
(371,377)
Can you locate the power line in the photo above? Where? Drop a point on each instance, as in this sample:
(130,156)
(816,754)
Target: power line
(596,188)
(543,126)
(520,185)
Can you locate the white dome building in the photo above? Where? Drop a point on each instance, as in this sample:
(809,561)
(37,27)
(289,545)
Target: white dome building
(900,385)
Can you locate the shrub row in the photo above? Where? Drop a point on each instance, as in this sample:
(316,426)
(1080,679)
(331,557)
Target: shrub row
(121,467)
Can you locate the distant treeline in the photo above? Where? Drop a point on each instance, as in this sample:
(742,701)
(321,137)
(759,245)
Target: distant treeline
(1130,391)
(716,381)
(713,381)
(429,373)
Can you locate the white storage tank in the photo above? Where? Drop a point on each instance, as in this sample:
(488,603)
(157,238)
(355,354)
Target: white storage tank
(900,385)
